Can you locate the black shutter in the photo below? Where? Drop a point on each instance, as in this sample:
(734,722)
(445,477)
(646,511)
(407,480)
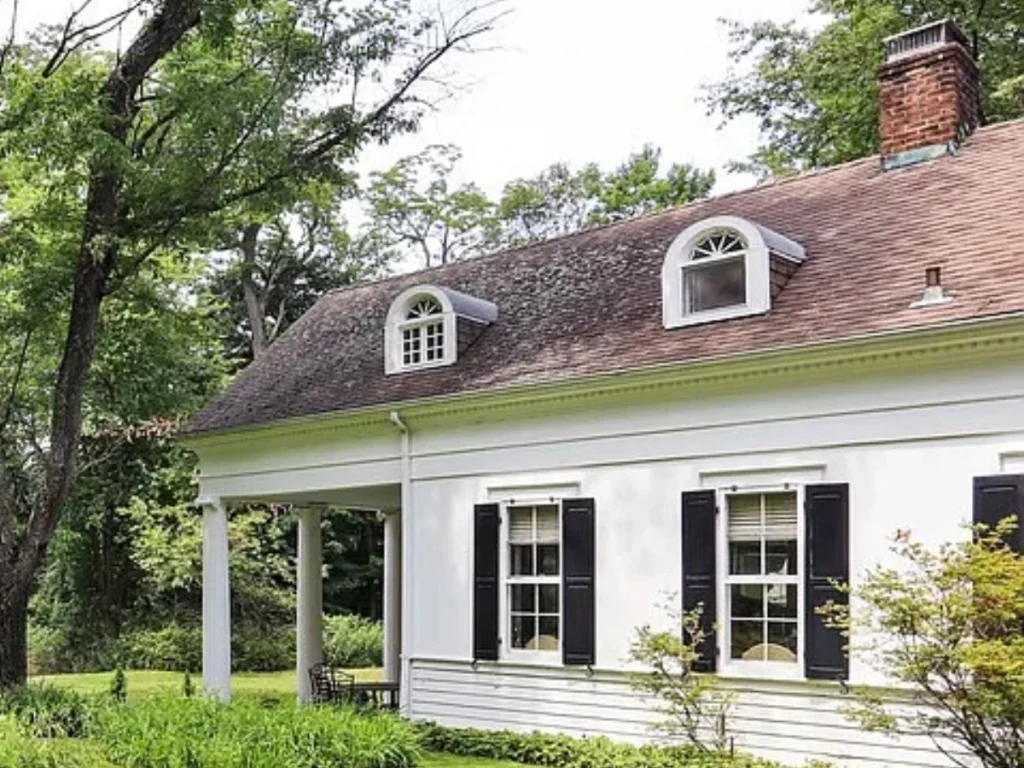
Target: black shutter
(699,569)
(828,561)
(578,581)
(486,526)
(997,497)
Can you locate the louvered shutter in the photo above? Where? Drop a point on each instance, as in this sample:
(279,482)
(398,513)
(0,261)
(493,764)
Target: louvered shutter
(997,497)
(699,568)
(828,561)
(486,527)
(578,599)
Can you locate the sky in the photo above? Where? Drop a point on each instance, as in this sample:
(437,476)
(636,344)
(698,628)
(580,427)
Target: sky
(572,81)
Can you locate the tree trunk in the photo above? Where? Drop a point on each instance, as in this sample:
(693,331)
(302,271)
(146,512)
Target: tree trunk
(13,639)
(255,300)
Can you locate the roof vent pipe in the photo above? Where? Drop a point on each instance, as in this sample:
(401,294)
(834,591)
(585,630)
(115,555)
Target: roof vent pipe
(933,290)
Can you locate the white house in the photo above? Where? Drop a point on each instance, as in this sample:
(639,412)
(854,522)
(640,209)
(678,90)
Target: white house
(729,403)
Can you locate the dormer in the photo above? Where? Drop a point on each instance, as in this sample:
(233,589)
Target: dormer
(428,326)
(724,267)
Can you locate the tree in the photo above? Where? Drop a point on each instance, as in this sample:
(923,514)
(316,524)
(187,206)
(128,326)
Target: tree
(693,706)
(814,93)
(413,204)
(111,161)
(949,625)
(559,201)
(272,271)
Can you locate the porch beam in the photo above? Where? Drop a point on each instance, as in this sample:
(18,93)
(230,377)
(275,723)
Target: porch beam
(216,602)
(309,600)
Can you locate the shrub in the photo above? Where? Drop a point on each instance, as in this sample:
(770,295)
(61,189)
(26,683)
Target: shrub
(262,651)
(170,648)
(19,750)
(176,733)
(352,641)
(48,712)
(560,751)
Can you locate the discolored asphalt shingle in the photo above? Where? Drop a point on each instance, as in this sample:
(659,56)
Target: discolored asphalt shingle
(591,302)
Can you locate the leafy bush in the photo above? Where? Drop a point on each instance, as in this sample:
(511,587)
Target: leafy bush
(352,641)
(48,712)
(264,651)
(180,733)
(170,648)
(560,751)
(20,750)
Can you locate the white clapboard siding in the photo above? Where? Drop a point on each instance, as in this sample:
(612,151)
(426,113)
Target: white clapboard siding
(788,722)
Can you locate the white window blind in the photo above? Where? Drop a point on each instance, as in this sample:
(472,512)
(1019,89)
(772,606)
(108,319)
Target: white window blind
(780,516)
(547,525)
(745,518)
(520,526)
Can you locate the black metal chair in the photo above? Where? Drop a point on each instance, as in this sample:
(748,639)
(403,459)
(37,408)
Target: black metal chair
(331,686)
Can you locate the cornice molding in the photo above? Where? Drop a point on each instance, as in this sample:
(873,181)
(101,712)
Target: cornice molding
(953,345)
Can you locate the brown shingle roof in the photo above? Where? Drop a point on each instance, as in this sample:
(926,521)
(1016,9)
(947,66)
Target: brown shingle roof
(591,302)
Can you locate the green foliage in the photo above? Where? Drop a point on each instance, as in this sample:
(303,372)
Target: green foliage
(353,641)
(415,206)
(814,93)
(119,686)
(21,750)
(177,733)
(948,624)
(560,751)
(48,712)
(188,687)
(692,705)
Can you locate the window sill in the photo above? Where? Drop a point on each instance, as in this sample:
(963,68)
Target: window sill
(532,659)
(714,315)
(762,670)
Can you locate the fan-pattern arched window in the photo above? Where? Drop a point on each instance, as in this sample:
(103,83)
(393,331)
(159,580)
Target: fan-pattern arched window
(423,332)
(716,275)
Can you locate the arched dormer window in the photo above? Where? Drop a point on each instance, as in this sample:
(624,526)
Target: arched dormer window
(425,324)
(724,267)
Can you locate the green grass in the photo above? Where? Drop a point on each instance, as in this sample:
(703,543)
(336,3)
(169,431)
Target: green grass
(439,760)
(144,682)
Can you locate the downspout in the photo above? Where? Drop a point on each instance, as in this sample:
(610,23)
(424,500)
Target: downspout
(406,512)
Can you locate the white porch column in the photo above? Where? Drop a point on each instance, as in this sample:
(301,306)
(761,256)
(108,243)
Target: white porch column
(309,600)
(216,602)
(392,596)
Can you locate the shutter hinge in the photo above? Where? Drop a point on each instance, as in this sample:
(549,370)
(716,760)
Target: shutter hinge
(718,510)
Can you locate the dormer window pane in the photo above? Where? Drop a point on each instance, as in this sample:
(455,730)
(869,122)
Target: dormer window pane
(717,284)
(435,341)
(411,353)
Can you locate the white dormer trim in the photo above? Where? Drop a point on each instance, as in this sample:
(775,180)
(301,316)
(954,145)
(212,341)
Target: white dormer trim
(759,245)
(453,305)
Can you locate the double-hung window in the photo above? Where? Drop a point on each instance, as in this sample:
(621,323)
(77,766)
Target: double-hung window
(533,580)
(762,581)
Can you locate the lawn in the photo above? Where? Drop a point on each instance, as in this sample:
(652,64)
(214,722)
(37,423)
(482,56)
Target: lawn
(438,760)
(144,682)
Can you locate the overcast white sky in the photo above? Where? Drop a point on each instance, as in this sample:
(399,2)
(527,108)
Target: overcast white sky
(574,81)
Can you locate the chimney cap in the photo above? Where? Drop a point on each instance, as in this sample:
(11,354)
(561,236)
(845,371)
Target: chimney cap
(923,38)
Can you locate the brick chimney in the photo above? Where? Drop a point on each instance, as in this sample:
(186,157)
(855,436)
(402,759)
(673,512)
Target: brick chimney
(929,90)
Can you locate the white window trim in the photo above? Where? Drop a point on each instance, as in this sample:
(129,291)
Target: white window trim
(397,322)
(760,244)
(506,651)
(767,670)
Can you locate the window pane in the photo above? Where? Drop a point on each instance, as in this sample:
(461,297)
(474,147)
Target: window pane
(523,598)
(547,524)
(715,285)
(747,640)
(522,559)
(547,559)
(523,631)
(548,598)
(435,341)
(782,601)
(780,557)
(782,641)
(747,601)
(744,557)
(548,634)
